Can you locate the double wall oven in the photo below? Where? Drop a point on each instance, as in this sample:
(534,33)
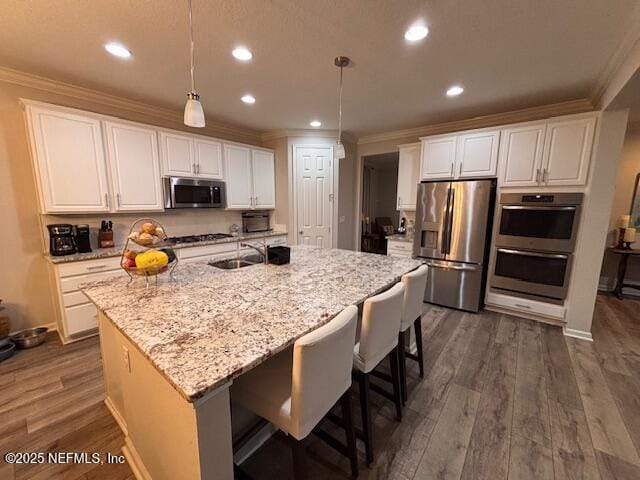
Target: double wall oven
(534,245)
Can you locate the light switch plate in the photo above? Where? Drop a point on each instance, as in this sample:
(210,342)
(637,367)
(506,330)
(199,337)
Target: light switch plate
(126,358)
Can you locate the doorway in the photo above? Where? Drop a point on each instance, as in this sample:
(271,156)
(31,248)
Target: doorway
(379,213)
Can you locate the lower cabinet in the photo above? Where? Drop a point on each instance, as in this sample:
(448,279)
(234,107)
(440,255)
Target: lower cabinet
(399,248)
(525,305)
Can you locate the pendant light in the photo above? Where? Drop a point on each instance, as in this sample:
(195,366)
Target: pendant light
(193,113)
(338,151)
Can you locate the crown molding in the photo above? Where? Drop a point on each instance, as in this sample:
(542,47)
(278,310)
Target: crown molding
(505,118)
(213,128)
(306,132)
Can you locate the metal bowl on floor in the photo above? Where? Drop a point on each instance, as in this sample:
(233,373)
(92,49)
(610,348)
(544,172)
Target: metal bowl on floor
(7,351)
(30,338)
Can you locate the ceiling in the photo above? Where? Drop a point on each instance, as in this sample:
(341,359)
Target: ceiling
(508,54)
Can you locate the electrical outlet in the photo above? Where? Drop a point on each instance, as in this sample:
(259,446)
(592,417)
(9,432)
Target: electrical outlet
(126,358)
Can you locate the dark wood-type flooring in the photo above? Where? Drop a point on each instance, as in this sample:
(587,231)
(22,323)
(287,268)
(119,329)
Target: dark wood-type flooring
(502,398)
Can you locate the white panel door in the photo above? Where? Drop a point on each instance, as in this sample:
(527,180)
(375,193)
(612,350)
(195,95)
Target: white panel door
(314,190)
(567,151)
(239,181)
(69,160)
(178,159)
(408,176)
(208,159)
(438,157)
(135,167)
(520,157)
(264,179)
(477,154)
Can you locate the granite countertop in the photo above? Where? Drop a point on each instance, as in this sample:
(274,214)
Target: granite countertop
(398,237)
(117,251)
(206,326)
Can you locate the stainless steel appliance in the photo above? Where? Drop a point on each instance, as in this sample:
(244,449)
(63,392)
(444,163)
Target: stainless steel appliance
(192,193)
(61,239)
(534,246)
(546,221)
(453,230)
(256,221)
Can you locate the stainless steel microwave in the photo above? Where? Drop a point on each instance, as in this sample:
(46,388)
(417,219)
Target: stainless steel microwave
(192,193)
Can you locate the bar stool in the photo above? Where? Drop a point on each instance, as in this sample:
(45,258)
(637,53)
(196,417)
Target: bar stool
(378,339)
(415,283)
(296,394)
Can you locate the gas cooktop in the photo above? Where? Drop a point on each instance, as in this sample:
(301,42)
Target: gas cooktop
(198,238)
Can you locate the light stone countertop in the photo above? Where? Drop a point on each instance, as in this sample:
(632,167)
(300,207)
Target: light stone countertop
(397,237)
(206,326)
(117,251)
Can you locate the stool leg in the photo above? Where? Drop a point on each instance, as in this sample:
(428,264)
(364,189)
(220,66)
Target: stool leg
(347,419)
(402,336)
(363,380)
(394,357)
(417,324)
(299,458)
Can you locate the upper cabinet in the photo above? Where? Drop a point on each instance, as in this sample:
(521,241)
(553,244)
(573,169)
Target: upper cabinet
(135,167)
(466,155)
(190,156)
(250,178)
(552,153)
(69,161)
(408,175)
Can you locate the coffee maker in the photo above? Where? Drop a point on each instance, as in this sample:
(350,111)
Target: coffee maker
(61,239)
(83,244)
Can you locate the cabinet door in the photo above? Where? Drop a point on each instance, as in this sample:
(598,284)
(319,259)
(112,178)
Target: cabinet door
(208,159)
(567,151)
(135,167)
(438,157)
(408,176)
(69,161)
(477,154)
(520,157)
(177,155)
(264,179)
(239,181)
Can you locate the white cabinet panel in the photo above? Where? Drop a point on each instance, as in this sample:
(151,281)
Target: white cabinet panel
(438,157)
(238,173)
(264,179)
(477,154)
(81,318)
(69,160)
(520,158)
(567,151)
(177,155)
(135,167)
(408,176)
(208,159)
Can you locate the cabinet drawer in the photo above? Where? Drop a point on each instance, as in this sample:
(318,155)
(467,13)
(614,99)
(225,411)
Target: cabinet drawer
(190,252)
(397,245)
(273,241)
(81,318)
(72,299)
(88,266)
(526,305)
(71,284)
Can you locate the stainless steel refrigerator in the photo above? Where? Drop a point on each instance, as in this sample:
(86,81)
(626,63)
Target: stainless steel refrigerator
(453,232)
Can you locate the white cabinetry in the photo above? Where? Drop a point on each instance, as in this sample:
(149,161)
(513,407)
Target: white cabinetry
(438,157)
(520,156)
(250,178)
(69,162)
(408,176)
(399,248)
(135,167)
(190,156)
(208,159)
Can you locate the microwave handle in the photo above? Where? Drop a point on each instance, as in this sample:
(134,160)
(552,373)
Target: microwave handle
(533,254)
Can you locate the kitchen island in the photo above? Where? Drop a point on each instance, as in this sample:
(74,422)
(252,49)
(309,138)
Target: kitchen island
(171,352)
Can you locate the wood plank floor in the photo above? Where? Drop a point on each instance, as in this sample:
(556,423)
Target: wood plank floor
(502,398)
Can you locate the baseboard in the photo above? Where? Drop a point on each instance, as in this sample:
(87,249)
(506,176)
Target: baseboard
(134,460)
(605,285)
(116,415)
(579,334)
(254,443)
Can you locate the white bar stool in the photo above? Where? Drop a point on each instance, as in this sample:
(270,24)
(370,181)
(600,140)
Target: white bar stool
(415,284)
(295,394)
(378,339)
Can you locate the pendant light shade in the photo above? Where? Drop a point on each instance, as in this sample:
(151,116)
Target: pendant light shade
(193,112)
(338,149)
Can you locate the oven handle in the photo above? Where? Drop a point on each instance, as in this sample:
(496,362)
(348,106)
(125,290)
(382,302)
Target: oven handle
(533,254)
(540,207)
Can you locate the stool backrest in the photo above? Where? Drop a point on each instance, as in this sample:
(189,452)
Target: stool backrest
(380,325)
(415,283)
(322,363)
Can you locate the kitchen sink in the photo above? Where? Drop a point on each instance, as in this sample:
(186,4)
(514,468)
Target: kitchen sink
(231,264)
(254,258)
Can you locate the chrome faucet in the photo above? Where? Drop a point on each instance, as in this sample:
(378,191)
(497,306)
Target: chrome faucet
(262,252)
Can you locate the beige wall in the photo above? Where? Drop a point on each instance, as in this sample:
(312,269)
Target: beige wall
(24,284)
(625,182)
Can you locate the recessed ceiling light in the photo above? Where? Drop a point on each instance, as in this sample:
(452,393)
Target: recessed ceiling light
(242,53)
(415,33)
(117,49)
(455,91)
(315,123)
(248,98)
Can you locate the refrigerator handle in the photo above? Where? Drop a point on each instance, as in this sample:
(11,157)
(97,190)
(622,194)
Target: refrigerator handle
(451,202)
(445,224)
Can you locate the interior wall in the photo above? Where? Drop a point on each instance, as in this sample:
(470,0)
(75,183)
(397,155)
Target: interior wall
(625,182)
(383,192)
